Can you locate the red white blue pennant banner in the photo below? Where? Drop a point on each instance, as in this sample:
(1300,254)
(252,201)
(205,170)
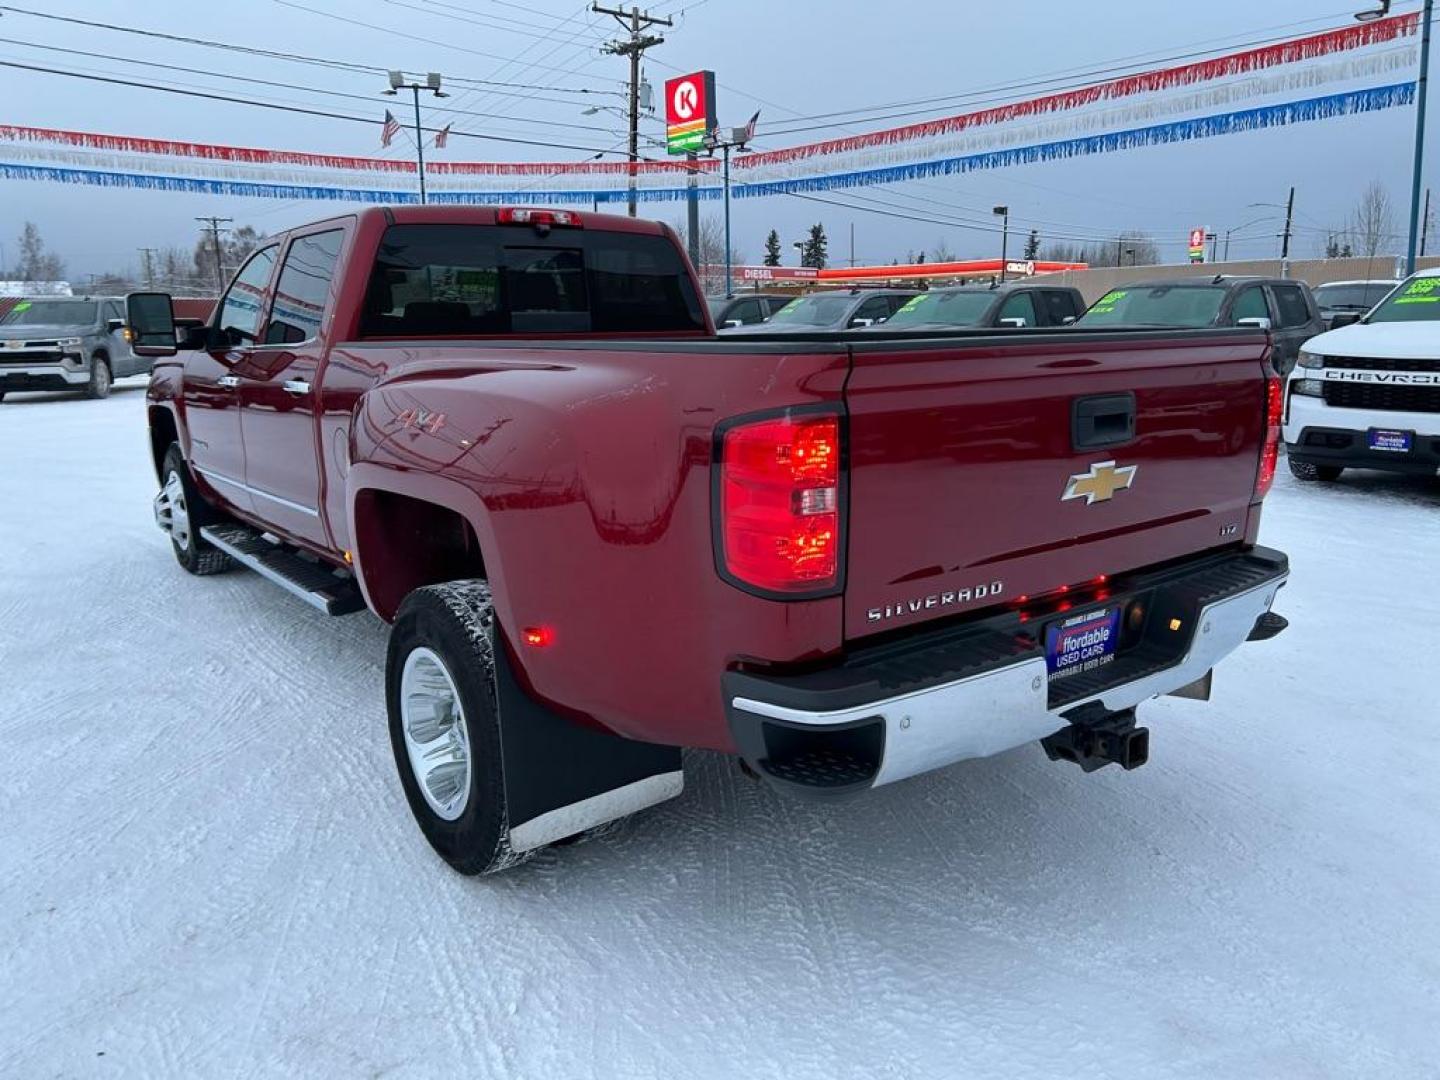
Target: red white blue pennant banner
(1166,105)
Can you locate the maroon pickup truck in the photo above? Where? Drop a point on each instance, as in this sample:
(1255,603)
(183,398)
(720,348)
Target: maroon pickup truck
(602,534)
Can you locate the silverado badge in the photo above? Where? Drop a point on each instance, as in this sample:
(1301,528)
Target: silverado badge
(1100,483)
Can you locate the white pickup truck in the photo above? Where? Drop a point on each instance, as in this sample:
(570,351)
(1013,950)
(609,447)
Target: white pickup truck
(1367,394)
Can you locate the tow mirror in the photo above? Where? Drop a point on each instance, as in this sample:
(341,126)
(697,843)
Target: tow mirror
(856,323)
(1016,323)
(152,324)
(732,322)
(1259,322)
(1345,318)
(111,325)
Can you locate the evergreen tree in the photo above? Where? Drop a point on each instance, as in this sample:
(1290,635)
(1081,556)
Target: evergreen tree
(1032,245)
(816,251)
(772,249)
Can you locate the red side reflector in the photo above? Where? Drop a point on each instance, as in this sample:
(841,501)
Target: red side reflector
(537,637)
(1270,454)
(519,215)
(780,525)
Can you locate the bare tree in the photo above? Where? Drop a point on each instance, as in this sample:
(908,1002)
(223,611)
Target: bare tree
(1372,222)
(1130,248)
(36,264)
(711,267)
(941,252)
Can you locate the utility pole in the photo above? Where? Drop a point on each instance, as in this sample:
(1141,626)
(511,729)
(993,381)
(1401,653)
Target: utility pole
(145,254)
(1285,236)
(1214,239)
(852,243)
(215,245)
(634,48)
(431,83)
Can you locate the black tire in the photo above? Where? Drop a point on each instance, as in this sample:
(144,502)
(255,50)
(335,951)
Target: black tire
(100,380)
(1305,470)
(194,553)
(456,623)
(2,395)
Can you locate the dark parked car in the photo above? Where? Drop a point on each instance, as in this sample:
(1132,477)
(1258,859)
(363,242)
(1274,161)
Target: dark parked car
(1284,307)
(1020,304)
(1349,297)
(832,311)
(745,310)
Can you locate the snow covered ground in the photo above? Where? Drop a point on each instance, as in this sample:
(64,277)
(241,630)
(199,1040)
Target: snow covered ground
(207,867)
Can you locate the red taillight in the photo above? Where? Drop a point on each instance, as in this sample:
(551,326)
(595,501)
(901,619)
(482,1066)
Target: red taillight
(1270,455)
(779,504)
(519,215)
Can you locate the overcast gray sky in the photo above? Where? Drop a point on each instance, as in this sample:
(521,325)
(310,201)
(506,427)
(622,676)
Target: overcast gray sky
(787,59)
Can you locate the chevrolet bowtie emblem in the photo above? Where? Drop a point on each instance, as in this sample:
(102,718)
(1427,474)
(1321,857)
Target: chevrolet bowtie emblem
(1101,483)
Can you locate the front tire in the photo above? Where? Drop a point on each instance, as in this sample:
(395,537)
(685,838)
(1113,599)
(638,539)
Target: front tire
(1304,470)
(181,511)
(99,384)
(443,705)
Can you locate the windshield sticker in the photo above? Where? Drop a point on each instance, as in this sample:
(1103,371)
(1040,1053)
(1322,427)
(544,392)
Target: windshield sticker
(1106,303)
(1420,291)
(22,306)
(912,303)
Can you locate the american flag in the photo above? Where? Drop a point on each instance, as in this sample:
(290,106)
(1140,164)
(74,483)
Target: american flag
(750,127)
(390,130)
(442,137)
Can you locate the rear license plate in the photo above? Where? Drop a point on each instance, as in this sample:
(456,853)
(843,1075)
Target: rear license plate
(1386,439)
(1082,642)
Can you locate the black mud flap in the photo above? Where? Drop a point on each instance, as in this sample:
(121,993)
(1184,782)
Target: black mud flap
(561,778)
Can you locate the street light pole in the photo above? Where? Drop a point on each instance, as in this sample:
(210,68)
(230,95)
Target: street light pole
(1003,212)
(431,83)
(1420,87)
(736,140)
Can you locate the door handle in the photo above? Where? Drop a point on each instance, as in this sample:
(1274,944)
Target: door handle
(228,382)
(1102,420)
(297,387)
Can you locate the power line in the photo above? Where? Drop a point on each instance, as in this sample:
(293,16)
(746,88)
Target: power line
(298,58)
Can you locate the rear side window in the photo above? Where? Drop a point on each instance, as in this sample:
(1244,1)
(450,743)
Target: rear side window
(438,280)
(304,285)
(1291,303)
(240,310)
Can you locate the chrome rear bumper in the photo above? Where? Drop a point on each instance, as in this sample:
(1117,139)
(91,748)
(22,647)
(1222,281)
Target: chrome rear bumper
(1006,702)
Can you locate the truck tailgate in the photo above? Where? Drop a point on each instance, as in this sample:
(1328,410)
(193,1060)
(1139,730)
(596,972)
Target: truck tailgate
(962,458)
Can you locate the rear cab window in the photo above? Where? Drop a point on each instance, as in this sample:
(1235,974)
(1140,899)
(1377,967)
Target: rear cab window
(478,280)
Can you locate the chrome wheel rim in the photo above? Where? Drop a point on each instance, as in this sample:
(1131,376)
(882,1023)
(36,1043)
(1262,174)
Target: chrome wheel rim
(174,515)
(436,740)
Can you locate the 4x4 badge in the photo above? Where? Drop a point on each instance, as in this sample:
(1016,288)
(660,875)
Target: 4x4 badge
(1101,483)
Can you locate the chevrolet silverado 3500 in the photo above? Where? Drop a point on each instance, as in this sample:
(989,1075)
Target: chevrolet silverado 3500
(602,534)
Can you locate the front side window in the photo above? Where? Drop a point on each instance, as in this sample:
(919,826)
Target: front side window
(1416,300)
(1250,304)
(479,280)
(240,309)
(51,313)
(1061,306)
(874,310)
(1291,305)
(1020,306)
(1157,305)
(303,288)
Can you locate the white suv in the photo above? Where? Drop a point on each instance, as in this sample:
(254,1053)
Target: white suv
(1367,395)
